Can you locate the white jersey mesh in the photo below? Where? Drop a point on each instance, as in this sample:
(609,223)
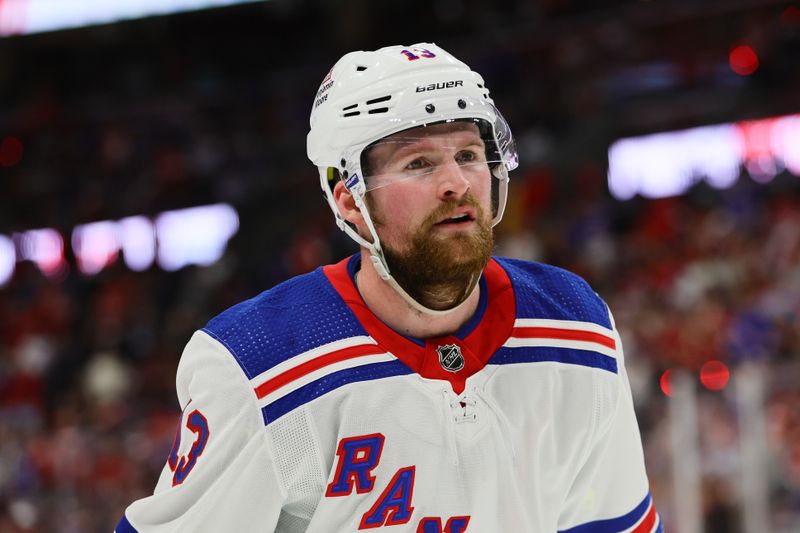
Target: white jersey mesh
(288,523)
(300,471)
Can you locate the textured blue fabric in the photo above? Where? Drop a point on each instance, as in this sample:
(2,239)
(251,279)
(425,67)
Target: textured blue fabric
(296,316)
(545,291)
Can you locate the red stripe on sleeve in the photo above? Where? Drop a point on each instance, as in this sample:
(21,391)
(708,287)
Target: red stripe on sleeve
(564,334)
(646,525)
(315,364)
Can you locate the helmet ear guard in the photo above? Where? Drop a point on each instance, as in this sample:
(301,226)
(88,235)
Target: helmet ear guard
(328,178)
(368,96)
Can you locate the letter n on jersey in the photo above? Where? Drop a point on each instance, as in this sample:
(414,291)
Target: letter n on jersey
(433,524)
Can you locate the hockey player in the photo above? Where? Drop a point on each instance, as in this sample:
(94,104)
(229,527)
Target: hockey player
(420,385)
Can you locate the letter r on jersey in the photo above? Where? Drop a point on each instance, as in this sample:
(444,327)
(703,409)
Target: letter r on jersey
(357,457)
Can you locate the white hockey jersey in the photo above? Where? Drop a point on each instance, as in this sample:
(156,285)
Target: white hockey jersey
(302,412)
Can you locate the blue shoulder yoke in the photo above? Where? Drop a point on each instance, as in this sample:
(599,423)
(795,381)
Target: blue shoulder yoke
(293,317)
(548,292)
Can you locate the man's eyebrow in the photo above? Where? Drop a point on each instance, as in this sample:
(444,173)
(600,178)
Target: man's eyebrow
(423,143)
(410,147)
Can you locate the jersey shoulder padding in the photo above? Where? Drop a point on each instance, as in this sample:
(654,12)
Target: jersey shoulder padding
(548,292)
(294,317)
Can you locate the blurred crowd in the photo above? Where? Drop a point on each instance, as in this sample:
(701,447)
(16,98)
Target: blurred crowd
(87,363)
(710,276)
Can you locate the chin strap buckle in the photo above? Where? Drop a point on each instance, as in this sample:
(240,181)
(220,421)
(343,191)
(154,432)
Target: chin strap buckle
(379,268)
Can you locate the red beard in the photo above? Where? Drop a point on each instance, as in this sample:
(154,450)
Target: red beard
(439,271)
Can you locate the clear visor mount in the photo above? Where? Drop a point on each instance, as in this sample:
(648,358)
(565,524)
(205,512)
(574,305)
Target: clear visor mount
(495,151)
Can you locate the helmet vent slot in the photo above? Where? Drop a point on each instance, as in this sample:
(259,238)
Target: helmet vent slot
(361,68)
(378,110)
(378,100)
(349,107)
(353,113)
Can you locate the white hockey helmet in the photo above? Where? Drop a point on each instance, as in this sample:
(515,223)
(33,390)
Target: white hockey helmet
(369,95)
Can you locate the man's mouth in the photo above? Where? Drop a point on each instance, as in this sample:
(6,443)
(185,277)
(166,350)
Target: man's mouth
(457,219)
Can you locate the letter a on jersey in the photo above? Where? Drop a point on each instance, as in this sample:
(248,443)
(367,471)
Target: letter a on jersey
(394,505)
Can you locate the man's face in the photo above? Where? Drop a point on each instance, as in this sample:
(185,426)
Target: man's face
(430,200)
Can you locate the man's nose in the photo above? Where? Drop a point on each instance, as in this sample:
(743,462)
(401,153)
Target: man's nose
(453,182)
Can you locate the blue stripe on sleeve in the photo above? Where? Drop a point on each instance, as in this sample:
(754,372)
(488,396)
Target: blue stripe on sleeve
(613,525)
(541,354)
(333,381)
(124,526)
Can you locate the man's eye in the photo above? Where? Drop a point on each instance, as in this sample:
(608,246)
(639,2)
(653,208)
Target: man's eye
(416,164)
(467,156)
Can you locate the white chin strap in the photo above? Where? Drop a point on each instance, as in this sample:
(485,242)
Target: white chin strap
(380,265)
(374,247)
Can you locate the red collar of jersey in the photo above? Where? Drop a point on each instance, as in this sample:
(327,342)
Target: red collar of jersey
(477,347)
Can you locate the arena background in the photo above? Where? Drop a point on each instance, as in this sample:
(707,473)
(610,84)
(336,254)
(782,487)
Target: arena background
(132,120)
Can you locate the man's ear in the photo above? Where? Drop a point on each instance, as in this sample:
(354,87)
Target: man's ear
(347,205)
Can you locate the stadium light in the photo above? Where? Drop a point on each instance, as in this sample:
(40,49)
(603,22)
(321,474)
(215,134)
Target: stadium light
(179,238)
(44,247)
(714,375)
(743,60)
(670,163)
(19,17)
(8,257)
(194,236)
(138,240)
(96,245)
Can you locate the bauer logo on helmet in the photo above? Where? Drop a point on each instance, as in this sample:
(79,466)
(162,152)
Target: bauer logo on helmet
(440,85)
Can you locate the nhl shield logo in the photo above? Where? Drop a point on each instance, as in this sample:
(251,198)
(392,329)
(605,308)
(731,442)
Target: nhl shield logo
(450,357)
